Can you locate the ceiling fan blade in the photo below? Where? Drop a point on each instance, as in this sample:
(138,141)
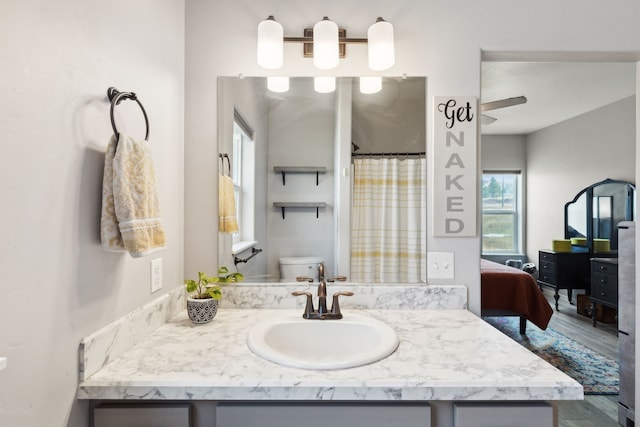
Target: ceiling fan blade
(502,103)
(486,120)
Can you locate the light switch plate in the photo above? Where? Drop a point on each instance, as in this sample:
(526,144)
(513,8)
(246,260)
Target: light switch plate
(156,274)
(440,265)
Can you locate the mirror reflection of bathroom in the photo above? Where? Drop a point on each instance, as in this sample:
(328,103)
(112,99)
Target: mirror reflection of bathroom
(336,178)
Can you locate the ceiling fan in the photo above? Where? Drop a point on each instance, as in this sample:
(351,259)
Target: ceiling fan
(501,103)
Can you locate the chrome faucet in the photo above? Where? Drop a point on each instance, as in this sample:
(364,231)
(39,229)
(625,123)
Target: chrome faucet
(322,312)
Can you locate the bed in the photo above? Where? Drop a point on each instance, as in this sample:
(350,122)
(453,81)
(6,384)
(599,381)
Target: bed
(508,291)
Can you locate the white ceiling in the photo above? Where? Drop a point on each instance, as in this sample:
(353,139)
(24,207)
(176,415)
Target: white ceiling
(555,91)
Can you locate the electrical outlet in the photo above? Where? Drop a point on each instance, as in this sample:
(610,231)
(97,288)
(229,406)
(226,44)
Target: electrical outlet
(156,274)
(440,265)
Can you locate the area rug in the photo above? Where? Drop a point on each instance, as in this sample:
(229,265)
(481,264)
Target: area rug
(596,373)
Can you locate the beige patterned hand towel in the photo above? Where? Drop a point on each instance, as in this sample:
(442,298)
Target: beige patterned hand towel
(130,211)
(228,222)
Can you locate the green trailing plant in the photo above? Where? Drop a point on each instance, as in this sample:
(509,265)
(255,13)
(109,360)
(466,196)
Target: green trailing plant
(205,288)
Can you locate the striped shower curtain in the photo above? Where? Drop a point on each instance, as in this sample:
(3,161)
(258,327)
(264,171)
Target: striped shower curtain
(388,240)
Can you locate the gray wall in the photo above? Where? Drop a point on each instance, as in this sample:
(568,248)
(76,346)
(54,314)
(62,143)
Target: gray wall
(504,153)
(58,285)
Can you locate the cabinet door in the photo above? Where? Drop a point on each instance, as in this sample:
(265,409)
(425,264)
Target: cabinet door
(142,415)
(322,415)
(503,415)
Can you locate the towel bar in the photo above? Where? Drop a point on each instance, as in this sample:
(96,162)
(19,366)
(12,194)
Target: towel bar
(254,252)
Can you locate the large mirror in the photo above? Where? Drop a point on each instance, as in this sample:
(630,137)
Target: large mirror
(594,214)
(302,164)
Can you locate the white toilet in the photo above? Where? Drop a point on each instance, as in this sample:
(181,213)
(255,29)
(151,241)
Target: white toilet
(296,266)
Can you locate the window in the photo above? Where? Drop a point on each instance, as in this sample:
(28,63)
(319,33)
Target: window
(242,174)
(501,213)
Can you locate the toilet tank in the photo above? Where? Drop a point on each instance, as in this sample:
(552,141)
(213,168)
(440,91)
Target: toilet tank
(292,267)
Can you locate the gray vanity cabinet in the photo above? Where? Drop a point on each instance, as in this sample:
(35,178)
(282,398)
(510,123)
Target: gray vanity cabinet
(142,415)
(323,415)
(503,415)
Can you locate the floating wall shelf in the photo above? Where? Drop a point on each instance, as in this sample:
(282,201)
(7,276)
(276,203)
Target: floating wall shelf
(300,169)
(300,205)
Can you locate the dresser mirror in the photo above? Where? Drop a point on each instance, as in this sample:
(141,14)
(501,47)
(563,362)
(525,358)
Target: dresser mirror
(302,145)
(596,210)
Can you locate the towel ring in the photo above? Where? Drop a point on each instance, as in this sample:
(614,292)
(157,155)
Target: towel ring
(222,157)
(115,96)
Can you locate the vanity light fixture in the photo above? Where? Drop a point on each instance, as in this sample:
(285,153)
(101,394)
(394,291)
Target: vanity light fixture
(278,84)
(324,84)
(381,47)
(270,46)
(325,43)
(369,85)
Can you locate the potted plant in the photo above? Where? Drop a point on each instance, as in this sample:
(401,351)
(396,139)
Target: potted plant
(204,294)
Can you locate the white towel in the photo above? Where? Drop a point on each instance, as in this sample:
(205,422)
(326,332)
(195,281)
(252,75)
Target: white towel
(227,219)
(130,211)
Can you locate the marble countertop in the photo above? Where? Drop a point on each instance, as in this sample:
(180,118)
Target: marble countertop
(443,355)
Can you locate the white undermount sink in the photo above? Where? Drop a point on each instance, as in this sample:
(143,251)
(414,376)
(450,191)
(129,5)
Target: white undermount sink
(352,341)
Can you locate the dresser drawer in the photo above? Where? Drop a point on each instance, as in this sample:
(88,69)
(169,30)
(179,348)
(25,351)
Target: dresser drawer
(604,289)
(547,272)
(604,282)
(604,268)
(546,256)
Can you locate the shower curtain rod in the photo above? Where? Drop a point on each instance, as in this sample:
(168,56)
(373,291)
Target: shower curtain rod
(387,154)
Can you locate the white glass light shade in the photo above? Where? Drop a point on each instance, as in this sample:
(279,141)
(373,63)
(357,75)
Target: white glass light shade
(370,84)
(325,44)
(324,84)
(278,84)
(381,45)
(270,44)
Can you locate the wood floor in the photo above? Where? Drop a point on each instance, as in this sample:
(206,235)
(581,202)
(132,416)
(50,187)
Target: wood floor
(593,411)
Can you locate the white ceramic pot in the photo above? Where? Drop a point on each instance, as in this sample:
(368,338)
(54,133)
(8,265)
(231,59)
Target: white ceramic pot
(202,310)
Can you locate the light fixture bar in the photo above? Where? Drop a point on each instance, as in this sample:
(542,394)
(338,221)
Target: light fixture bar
(307,41)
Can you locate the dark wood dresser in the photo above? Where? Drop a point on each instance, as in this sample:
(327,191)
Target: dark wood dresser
(604,284)
(564,270)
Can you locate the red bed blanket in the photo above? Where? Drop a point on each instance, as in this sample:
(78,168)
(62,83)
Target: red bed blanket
(510,289)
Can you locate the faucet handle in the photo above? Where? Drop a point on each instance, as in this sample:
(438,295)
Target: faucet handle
(304,279)
(338,278)
(345,293)
(308,309)
(335,306)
